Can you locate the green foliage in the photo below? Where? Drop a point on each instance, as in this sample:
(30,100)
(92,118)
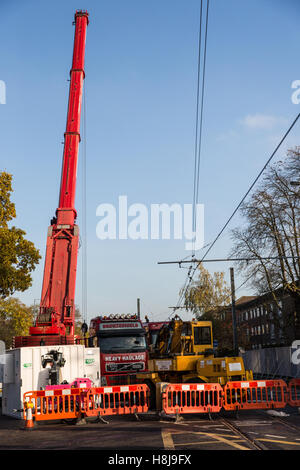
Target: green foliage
(7,208)
(15,319)
(18,256)
(208,293)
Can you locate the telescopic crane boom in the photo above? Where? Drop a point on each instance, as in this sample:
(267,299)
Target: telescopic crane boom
(55,321)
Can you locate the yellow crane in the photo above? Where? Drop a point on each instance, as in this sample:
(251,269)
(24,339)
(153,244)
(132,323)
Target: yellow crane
(183,353)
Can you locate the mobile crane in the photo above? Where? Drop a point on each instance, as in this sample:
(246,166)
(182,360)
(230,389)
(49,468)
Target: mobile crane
(55,321)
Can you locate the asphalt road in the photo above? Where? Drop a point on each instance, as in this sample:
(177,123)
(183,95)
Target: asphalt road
(247,431)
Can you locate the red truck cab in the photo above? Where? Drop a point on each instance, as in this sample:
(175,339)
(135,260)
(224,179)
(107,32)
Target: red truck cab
(123,347)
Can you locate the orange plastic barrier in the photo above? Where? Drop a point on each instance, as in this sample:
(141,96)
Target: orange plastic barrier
(192,398)
(294,392)
(56,404)
(117,400)
(79,403)
(260,394)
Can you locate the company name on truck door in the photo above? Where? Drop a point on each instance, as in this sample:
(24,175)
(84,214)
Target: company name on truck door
(136,357)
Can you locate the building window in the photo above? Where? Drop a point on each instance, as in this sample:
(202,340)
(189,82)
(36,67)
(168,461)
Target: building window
(270,312)
(281,335)
(272,331)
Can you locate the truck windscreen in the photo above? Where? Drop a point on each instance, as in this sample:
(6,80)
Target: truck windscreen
(111,344)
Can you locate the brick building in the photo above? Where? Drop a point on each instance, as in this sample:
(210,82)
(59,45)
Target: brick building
(265,323)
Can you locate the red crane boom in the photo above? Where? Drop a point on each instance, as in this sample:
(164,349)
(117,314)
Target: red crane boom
(55,321)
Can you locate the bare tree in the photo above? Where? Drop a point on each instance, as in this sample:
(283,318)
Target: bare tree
(272,231)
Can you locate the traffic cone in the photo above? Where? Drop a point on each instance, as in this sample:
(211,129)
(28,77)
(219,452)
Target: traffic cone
(29,419)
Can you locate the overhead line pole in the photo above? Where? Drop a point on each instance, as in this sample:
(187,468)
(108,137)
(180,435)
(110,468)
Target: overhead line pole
(233,311)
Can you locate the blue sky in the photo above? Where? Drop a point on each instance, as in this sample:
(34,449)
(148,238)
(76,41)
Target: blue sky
(141,71)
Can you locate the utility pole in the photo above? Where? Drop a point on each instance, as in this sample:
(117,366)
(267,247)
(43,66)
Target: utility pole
(235,343)
(138,308)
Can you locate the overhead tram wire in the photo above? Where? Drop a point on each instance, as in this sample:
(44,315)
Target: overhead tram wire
(183,261)
(197,123)
(239,205)
(236,289)
(252,185)
(198,128)
(202,104)
(199,116)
